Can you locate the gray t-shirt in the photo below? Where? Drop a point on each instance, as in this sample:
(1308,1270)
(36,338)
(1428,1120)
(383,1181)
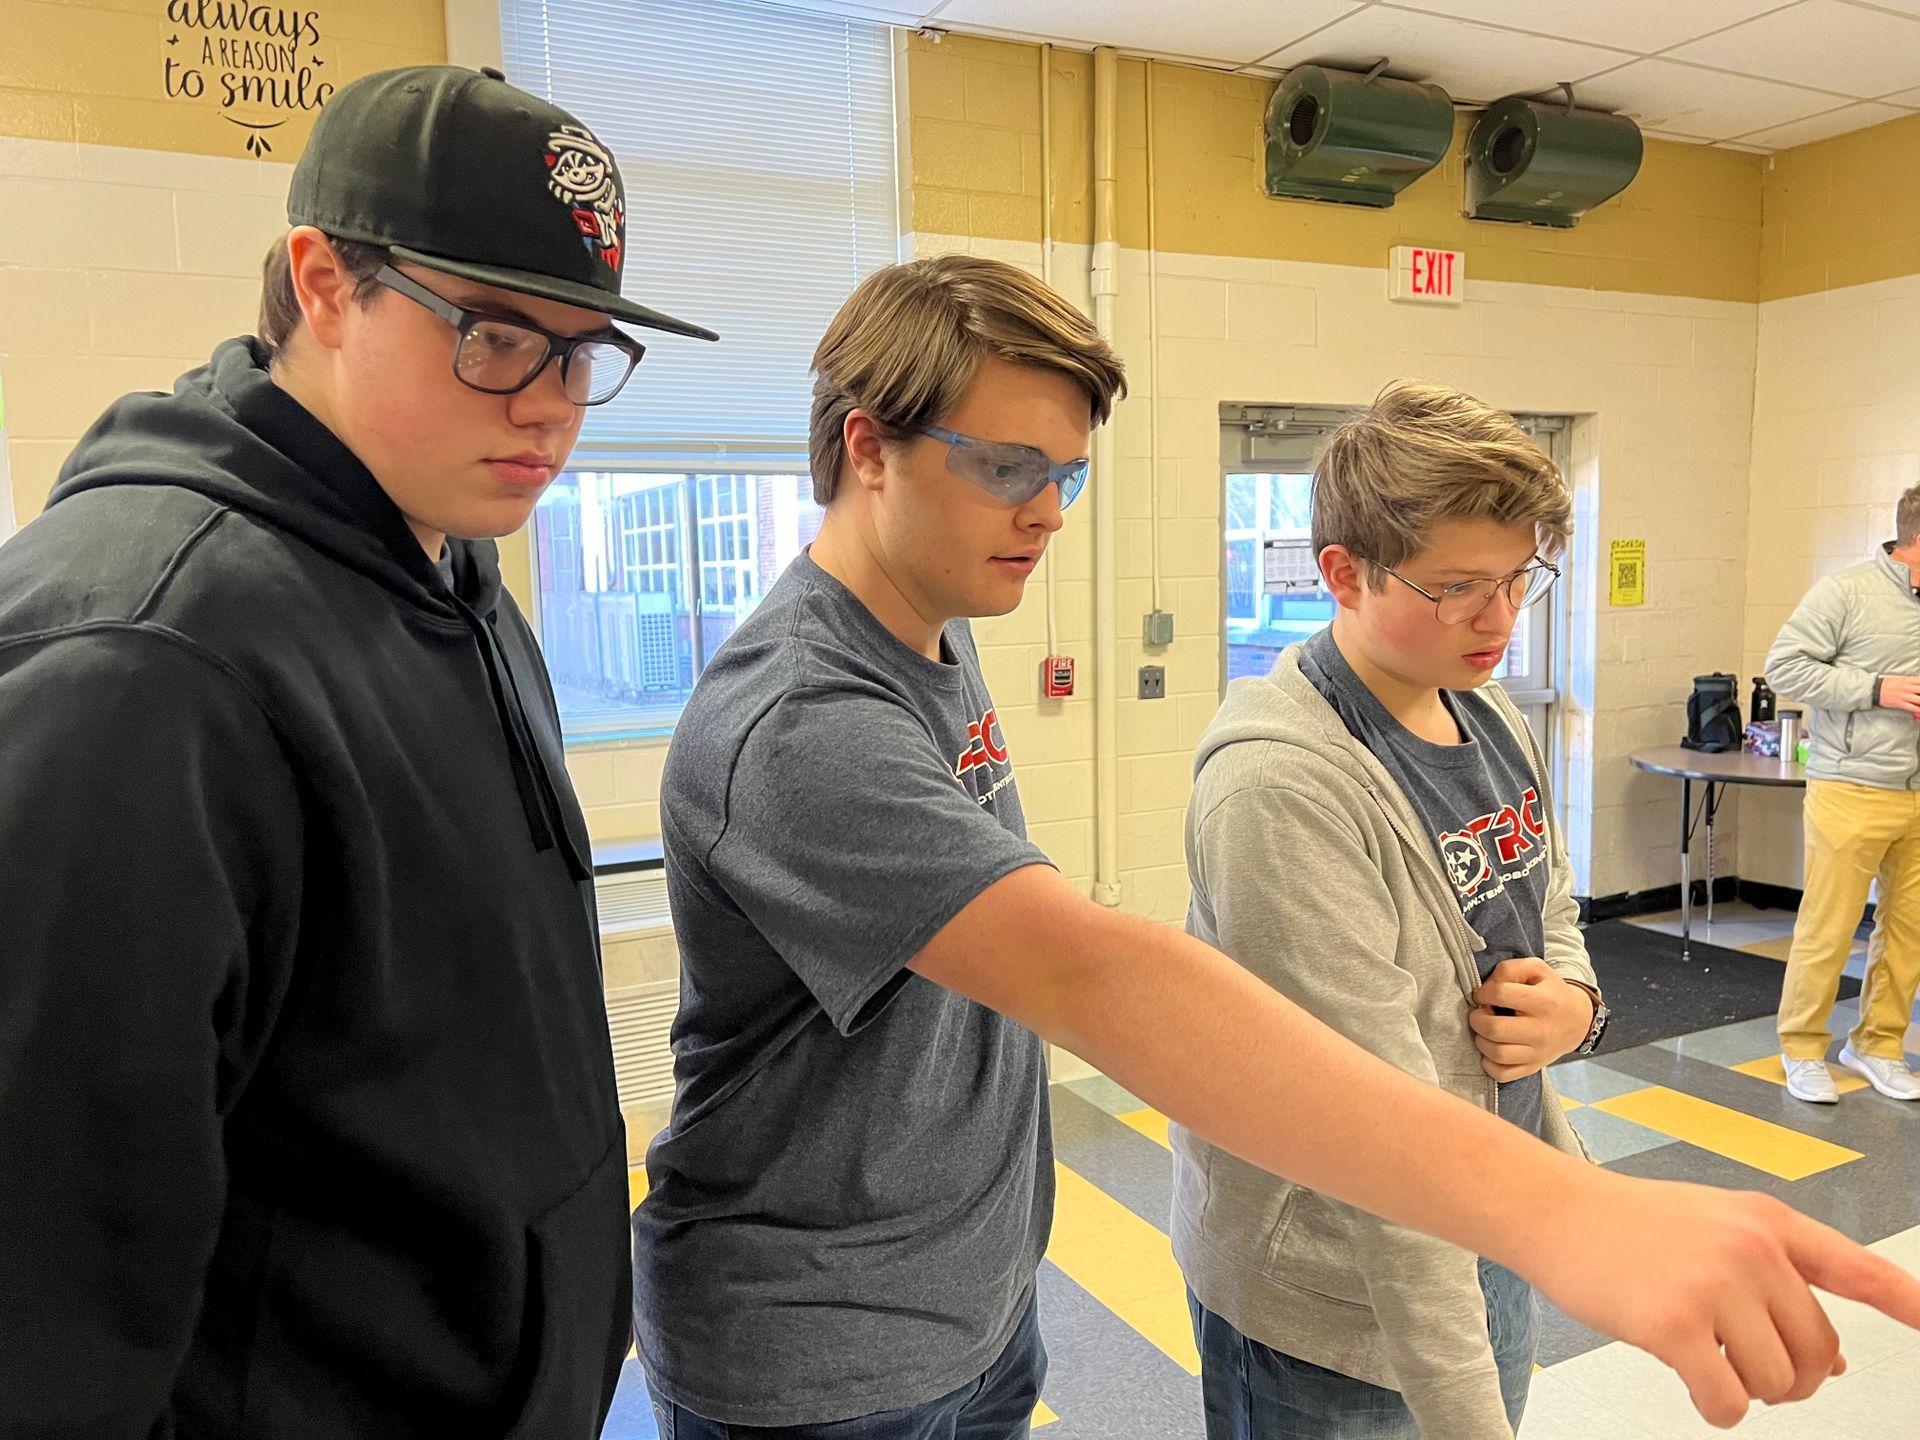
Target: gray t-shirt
(1479,801)
(855,1190)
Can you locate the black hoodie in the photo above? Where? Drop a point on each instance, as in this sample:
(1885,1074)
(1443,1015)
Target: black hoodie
(307,1114)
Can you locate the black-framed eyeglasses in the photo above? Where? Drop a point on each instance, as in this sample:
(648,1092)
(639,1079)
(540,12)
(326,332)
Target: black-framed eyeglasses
(504,357)
(1461,602)
(1010,472)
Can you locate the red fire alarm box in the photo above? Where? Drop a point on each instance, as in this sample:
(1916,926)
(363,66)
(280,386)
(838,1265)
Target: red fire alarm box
(1056,676)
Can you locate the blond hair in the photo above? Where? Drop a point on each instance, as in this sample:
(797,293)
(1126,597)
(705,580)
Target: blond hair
(1906,518)
(1424,453)
(907,344)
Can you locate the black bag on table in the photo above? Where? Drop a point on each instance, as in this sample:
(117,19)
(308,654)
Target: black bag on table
(1713,714)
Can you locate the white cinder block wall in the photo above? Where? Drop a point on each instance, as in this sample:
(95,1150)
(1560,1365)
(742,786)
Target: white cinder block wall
(1836,441)
(154,259)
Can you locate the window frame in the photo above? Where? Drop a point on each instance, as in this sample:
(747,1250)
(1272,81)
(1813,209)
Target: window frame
(1286,439)
(688,566)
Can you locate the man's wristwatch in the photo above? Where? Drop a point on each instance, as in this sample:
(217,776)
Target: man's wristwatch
(1601,1015)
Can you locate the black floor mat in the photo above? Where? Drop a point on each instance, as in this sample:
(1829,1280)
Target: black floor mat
(1655,995)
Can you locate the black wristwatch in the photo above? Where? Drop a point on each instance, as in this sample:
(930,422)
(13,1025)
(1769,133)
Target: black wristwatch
(1601,1015)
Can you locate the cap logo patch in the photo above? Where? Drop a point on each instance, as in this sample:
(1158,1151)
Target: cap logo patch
(581,174)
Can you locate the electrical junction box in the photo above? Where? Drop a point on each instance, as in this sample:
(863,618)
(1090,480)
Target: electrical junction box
(1158,629)
(1056,677)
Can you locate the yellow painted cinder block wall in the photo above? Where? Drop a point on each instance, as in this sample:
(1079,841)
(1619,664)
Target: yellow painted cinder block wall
(197,76)
(133,221)
(1688,225)
(1642,317)
(1842,212)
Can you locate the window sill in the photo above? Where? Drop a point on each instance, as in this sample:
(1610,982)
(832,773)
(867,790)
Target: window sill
(639,739)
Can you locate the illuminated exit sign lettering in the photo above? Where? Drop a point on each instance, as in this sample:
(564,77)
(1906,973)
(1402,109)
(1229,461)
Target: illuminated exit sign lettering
(1427,277)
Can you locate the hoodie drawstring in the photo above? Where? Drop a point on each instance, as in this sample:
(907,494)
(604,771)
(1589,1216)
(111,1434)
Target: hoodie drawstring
(520,761)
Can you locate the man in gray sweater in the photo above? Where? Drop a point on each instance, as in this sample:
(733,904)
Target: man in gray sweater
(1851,654)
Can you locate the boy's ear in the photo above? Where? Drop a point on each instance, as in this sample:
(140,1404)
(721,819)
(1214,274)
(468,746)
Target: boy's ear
(866,456)
(1345,575)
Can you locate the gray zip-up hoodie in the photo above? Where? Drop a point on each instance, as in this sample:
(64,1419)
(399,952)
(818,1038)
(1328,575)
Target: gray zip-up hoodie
(1851,629)
(1312,869)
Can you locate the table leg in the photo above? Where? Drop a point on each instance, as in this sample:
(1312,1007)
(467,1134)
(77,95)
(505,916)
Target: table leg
(1686,869)
(1712,806)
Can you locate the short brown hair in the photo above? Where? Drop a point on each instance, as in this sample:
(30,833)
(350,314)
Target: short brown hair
(280,308)
(1906,518)
(1424,453)
(908,342)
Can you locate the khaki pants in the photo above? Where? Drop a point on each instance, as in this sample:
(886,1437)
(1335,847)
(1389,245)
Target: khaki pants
(1853,833)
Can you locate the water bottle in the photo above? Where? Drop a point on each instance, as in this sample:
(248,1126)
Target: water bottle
(1763,700)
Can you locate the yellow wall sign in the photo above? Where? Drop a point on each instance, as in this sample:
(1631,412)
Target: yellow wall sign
(255,66)
(238,78)
(1627,583)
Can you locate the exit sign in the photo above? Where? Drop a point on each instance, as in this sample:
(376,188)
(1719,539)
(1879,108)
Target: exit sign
(1427,277)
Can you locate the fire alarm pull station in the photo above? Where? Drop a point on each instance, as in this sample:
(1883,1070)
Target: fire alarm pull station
(1056,677)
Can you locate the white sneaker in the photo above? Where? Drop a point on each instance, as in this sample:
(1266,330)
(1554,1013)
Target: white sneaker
(1810,1080)
(1891,1078)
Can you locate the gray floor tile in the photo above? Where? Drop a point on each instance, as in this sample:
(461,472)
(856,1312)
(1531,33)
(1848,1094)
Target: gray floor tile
(1118,1159)
(1728,1044)
(1100,1091)
(1104,1380)
(1557,1410)
(1590,1080)
(1609,1138)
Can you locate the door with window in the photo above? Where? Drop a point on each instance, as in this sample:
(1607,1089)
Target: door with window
(1273,597)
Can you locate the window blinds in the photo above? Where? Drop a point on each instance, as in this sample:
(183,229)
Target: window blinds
(757,148)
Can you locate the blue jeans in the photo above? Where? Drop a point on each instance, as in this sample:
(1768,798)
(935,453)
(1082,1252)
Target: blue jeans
(1253,1393)
(997,1406)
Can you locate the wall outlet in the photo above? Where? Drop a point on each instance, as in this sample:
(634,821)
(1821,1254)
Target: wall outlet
(1153,682)
(1159,628)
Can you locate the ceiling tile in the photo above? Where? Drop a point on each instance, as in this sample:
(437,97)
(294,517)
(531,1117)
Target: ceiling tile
(1822,43)
(1639,25)
(1663,95)
(1472,61)
(1229,32)
(1823,127)
(1909,98)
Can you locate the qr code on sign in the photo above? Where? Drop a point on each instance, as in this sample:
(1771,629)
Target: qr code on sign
(1629,574)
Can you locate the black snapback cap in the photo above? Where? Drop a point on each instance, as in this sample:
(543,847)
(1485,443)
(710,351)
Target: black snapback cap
(459,171)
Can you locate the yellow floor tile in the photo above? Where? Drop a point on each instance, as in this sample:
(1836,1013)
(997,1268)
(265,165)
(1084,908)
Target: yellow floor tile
(1124,1263)
(1770,1068)
(1567,1102)
(1781,946)
(1042,1415)
(1150,1123)
(636,1192)
(1759,1143)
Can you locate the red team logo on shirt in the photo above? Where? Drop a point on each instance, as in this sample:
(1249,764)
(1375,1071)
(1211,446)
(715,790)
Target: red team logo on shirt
(1512,833)
(982,747)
